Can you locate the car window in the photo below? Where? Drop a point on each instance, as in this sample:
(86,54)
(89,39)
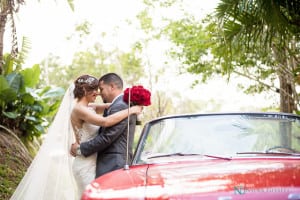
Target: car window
(223,135)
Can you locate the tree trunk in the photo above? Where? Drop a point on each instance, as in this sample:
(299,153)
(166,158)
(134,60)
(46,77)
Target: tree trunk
(287,81)
(3,18)
(286,95)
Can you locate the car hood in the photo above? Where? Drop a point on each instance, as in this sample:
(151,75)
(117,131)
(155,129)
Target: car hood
(209,178)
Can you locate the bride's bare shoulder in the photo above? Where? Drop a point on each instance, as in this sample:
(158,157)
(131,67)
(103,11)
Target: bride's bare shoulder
(77,115)
(76,108)
(79,109)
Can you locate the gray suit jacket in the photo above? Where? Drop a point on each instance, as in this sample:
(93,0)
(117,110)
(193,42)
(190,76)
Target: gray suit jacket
(111,142)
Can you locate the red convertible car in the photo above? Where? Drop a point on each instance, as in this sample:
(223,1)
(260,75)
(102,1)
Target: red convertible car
(221,156)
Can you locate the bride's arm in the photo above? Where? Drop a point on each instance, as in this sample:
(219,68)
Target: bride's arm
(86,115)
(99,107)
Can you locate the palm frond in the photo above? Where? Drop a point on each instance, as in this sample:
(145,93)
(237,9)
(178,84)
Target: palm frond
(22,55)
(259,20)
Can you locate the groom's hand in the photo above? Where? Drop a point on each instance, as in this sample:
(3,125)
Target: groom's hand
(73,150)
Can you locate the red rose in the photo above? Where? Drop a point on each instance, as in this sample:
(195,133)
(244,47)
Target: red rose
(138,96)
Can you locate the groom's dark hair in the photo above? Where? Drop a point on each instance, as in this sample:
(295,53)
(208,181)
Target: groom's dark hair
(112,78)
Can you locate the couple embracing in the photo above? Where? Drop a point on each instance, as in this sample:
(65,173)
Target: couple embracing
(100,141)
(100,150)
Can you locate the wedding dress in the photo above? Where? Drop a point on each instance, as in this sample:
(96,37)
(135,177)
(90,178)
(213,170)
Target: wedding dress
(84,168)
(50,176)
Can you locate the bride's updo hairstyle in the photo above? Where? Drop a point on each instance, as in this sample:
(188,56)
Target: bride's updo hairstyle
(85,84)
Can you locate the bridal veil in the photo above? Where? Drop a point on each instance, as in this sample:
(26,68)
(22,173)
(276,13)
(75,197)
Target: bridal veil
(49,176)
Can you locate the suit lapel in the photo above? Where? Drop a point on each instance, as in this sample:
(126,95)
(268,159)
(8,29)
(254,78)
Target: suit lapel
(107,111)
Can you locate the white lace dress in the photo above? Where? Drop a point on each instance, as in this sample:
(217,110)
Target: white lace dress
(84,168)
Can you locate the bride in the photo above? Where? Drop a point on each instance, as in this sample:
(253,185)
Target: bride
(54,174)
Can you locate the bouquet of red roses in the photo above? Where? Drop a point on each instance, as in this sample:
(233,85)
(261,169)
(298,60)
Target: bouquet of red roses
(137,95)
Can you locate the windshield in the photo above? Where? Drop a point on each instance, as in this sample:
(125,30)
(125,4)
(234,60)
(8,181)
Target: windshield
(221,135)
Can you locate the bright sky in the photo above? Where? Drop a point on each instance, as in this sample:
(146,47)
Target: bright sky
(47,23)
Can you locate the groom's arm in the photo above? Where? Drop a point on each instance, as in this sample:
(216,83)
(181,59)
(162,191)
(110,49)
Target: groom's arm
(103,140)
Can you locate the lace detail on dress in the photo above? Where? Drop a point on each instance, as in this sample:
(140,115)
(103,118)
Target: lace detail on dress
(84,168)
(87,132)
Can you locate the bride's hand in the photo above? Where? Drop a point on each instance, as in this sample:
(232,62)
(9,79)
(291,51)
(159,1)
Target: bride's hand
(136,109)
(73,149)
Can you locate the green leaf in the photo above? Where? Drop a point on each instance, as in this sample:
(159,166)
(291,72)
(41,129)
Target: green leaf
(37,107)
(8,95)
(31,118)
(53,108)
(15,81)
(52,93)
(31,76)
(71,4)
(39,128)
(10,115)
(3,83)
(8,64)
(28,99)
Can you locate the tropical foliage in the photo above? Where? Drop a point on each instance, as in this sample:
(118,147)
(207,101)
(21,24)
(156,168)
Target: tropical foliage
(267,32)
(257,40)
(24,108)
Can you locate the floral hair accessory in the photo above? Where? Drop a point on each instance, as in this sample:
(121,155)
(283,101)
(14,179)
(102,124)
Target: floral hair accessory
(89,80)
(138,96)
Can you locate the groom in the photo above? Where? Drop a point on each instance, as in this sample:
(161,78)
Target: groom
(111,142)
